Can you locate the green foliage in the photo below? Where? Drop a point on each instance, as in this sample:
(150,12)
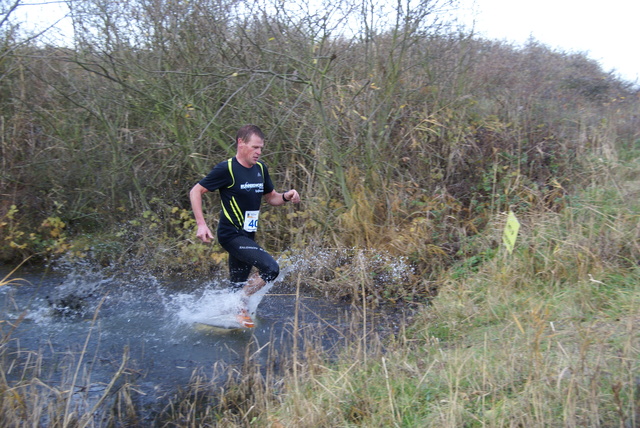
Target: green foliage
(49,239)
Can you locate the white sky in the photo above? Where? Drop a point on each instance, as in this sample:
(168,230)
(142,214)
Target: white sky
(607,32)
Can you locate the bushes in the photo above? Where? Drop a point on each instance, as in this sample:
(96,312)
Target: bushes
(406,139)
(407,143)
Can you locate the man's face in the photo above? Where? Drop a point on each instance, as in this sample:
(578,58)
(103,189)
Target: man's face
(249,151)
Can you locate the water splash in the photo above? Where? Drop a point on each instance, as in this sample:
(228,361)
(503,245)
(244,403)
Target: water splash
(217,304)
(213,306)
(75,297)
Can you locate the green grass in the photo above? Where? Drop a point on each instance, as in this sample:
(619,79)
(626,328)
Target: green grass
(407,156)
(486,354)
(545,337)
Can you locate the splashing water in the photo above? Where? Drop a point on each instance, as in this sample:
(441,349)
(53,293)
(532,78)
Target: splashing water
(214,306)
(218,306)
(87,317)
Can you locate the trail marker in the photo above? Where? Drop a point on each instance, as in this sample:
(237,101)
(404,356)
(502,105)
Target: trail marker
(510,232)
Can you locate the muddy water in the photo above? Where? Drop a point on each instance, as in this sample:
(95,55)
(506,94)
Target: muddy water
(55,321)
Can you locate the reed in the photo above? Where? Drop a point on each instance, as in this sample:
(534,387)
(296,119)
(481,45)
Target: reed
(34,393)
(502,346)
(408,142)
(406,138)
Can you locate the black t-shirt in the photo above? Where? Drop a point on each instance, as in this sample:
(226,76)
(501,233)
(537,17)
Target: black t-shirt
(241,190)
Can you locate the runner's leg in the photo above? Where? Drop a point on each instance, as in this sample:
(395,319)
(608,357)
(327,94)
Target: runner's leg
(238,271)
(244,253)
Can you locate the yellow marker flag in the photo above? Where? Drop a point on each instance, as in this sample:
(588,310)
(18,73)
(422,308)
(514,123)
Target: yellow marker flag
(510,232)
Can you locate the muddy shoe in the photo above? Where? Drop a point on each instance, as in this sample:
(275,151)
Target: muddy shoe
(244,319)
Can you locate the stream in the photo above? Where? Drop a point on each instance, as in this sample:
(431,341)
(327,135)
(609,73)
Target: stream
(54,321)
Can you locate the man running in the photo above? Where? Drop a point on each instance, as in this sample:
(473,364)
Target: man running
(242,182)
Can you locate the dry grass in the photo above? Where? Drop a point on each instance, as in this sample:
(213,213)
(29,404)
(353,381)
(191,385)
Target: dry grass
(405,155)
(544,337)
(501,347)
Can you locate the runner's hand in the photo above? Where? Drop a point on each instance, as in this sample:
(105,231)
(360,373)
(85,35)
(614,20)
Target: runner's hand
(292,196)
(204,234)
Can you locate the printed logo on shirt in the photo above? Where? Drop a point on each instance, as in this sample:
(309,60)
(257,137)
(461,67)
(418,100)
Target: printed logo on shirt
(258,187)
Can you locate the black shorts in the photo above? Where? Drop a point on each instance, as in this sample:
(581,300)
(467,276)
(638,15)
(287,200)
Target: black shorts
(244,253)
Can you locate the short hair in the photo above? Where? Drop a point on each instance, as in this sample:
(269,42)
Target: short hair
(247,131)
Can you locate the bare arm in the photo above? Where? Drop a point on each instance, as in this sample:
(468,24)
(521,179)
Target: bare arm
(195,195)
(274,198)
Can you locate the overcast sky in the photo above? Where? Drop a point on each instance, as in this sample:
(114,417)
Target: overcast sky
(607,31)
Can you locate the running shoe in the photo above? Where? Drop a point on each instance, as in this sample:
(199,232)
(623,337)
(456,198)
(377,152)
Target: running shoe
(244,319)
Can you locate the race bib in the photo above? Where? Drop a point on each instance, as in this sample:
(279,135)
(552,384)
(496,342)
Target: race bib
(251,221)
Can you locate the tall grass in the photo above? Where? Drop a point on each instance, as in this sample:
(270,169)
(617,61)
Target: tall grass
(407,126)
(408,142)
(545,336)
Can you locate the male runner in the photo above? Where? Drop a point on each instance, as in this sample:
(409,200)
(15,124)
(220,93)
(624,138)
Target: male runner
(242,182)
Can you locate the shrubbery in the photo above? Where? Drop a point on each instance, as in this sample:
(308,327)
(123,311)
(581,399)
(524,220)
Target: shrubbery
(407,136)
